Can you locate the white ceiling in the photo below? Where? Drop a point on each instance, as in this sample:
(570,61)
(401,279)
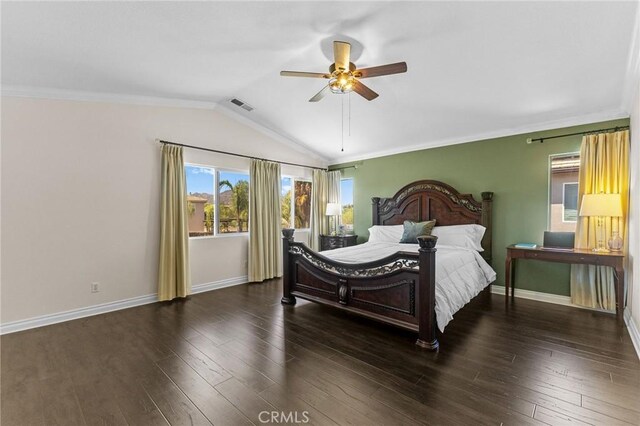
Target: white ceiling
(476,69)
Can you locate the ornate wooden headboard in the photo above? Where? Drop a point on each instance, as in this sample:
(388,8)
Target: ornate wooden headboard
(430,199)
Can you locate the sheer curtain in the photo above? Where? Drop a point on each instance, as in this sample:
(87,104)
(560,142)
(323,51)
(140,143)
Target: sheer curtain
(325,189)
(265,253)
(174,278)
(604,168)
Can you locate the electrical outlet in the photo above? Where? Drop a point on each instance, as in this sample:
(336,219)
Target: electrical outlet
(95,287)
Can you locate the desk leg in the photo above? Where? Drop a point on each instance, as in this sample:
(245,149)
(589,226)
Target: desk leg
(507,278)
(618,277)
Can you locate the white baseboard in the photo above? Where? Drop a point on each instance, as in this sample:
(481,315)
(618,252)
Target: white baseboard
(566,301)
(229,282)
(41,321)
(536,295)
(633,330)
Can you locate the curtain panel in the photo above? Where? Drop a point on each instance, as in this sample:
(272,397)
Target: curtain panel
(265,252)
(174,278)
(325,189)
(604,168)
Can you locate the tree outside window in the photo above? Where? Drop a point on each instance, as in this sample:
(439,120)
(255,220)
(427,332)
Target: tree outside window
(346,195)
(233,202)
(295,203)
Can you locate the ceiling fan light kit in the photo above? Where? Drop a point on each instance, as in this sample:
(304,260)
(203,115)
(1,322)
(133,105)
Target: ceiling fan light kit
(344,76)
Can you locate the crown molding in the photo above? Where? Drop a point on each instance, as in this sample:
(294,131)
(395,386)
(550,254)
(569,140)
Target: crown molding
(291,142)
(118,98)
(71,95)
(84,96)
(513,131)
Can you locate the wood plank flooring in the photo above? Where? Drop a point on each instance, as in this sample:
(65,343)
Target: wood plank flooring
(225,356)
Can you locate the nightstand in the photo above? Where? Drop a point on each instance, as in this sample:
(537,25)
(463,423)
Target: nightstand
(330,242)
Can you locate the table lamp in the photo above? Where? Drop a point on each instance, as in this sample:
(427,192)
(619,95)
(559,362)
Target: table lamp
(601,206)
(334,209)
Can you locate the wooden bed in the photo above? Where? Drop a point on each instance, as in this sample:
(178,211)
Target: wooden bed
(398,289)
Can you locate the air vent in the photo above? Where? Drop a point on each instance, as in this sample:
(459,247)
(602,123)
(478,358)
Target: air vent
(241,104)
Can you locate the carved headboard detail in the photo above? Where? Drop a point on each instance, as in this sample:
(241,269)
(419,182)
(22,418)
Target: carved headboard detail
(430,199)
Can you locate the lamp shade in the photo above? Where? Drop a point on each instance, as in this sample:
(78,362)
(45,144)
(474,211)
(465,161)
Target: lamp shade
(601,205)
(334,209)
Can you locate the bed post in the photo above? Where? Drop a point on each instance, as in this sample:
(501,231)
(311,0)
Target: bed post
(287,268)
(486,220)
(427,293)
(375,214)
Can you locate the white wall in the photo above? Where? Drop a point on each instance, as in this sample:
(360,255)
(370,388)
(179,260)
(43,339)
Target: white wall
(80,188)
(633,267)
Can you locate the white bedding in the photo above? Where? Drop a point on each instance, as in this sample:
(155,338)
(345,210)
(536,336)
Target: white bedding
(460,273)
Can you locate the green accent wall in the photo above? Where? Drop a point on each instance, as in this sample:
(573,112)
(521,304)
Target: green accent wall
(515,171)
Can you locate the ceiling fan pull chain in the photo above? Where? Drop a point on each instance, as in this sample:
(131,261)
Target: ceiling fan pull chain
(342,128)
(349,114)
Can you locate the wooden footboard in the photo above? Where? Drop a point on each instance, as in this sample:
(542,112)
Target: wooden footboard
(397,290)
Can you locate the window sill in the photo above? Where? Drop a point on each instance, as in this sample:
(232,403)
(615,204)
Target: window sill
(229,235)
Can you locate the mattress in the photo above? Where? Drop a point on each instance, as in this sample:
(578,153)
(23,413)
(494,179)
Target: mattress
(460,273)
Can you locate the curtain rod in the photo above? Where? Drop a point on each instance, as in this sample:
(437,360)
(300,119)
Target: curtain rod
(237,155)
(611,129)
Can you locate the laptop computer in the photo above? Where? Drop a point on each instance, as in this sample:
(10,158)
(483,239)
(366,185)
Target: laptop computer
(559,240)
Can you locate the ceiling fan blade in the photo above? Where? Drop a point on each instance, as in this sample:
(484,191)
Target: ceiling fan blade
(364,91)
(304,74)
(396,68)
(318,96)
(342,54)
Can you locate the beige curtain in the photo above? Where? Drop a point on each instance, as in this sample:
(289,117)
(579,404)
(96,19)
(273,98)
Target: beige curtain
(173,278)
(604,168)
(325,189)
(265,246)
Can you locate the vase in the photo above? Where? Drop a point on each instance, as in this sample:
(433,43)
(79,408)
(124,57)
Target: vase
(615,242)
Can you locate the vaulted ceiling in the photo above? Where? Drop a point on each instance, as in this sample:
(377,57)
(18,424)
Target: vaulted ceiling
(475,69)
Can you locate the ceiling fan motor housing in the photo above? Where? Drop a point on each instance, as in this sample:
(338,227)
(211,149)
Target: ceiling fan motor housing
(332,68)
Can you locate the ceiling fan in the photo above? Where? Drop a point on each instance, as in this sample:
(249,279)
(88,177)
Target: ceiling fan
(343,75)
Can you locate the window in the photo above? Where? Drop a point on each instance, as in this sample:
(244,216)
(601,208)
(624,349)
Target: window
(346,195)
(200,200)
(285,202)
(233,202)
(302,204)
(295,198)
(563,192)
(221,211)
(570,202)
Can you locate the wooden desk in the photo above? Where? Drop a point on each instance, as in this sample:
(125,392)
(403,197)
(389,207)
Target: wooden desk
(575,256)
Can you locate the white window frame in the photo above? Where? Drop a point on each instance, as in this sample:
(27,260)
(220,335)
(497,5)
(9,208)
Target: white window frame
(294,179)
(549,171)
(564,185)
(352,203)
(216,198)
(217,203)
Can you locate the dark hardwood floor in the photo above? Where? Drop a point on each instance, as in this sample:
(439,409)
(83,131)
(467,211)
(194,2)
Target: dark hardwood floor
(225,356)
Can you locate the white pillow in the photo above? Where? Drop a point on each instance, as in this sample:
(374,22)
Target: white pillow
(466,236)
(386,234)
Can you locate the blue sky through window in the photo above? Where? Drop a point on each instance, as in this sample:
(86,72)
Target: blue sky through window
(286,185)
(199,179)
(346,191)
(233,177)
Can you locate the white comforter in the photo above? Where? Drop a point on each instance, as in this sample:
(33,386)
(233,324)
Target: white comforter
(460,273)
